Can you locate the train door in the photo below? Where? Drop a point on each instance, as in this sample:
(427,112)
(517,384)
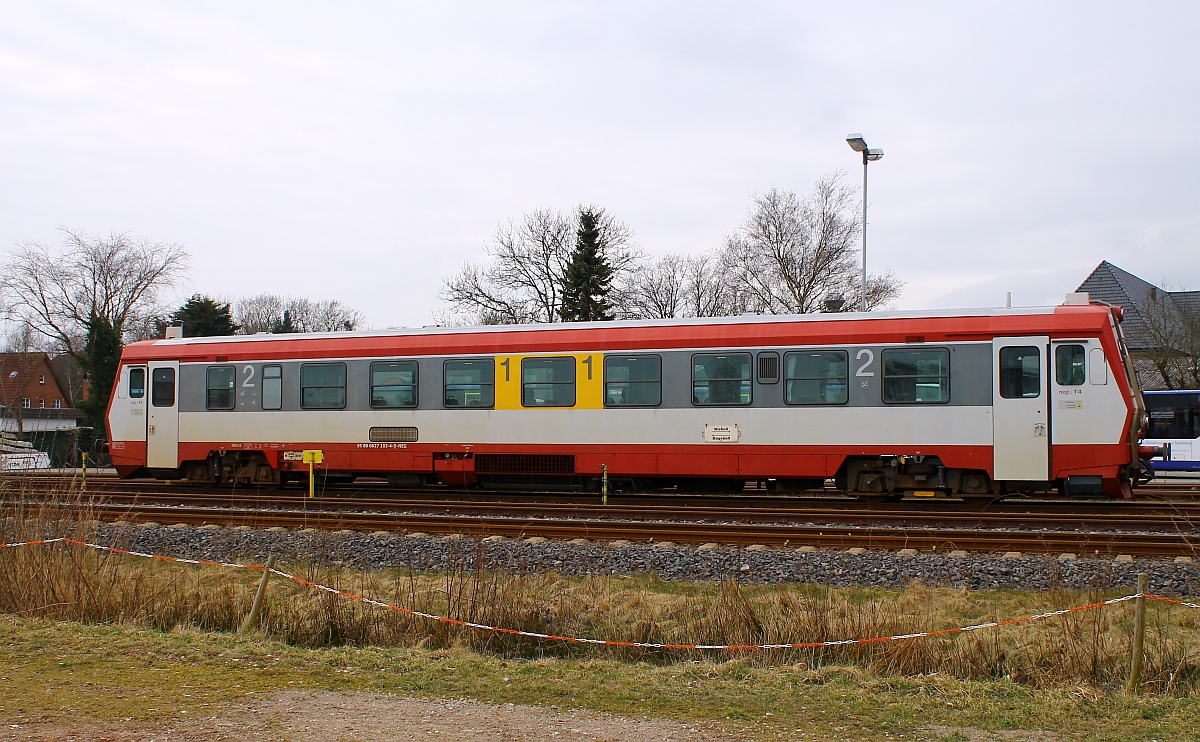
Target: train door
(1020,409)
(162,418)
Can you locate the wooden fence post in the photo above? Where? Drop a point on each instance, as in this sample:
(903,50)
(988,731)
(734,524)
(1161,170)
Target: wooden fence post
(252,617)
(1139,635)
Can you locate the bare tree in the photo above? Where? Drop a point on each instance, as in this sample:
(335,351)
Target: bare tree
(329,315)
(274,313)
(680,286)
(261,313)
(522,279)
(793,252)
(118,277)
(655,291)
(1171,322)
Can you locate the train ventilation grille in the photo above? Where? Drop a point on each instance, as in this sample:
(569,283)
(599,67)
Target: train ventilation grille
(768,368)
(394,435)
(520,463)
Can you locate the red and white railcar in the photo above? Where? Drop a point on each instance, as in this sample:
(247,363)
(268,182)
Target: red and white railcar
(933,403)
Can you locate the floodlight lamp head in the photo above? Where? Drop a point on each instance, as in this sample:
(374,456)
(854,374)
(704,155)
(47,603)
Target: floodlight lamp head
(856,142)
(873,154)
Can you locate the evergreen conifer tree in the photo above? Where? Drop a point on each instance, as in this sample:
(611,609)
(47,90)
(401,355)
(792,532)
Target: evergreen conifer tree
(203,316)
(589,275)
(102,356)
(286,326)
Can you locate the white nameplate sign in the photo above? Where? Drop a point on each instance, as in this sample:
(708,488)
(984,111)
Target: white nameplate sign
(721,433)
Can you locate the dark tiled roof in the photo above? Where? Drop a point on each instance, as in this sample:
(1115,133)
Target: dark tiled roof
(1110,284)
(1189,300)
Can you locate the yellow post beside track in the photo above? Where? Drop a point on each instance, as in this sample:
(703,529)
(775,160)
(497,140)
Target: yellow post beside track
(312,457)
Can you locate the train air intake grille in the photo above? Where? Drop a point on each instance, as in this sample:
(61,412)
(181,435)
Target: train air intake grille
(520,463)
(405,434)
(768,368)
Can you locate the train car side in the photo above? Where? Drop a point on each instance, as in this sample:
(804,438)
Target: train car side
(969,404)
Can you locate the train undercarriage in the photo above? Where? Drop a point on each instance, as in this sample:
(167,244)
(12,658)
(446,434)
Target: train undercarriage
(871,478)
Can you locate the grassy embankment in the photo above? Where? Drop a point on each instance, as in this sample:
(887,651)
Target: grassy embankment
(95,636)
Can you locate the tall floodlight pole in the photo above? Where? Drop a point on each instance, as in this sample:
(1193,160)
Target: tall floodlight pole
(858,144)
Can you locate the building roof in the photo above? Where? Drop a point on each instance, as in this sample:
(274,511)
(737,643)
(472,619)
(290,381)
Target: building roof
(1135,296)
(16,371)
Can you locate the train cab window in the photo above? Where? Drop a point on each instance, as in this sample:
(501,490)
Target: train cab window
(548,382)
(137,383)
(632,381)
(220,388)
(470,383)
(816,377)
(916,376)
(162,387)
(1020,372)
(394,384)
(323,386)
(1069,364)
(272,386)
(721,379)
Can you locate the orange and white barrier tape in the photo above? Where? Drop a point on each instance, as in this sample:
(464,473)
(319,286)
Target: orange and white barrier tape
(1172,601)
(608,642)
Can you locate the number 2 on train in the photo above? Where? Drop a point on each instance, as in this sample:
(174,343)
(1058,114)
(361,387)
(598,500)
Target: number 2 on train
(870,356)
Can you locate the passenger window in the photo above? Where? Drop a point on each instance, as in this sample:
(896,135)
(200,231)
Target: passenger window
(548,382)
(470,383)
(916,376)
(272,387)
(394,384)
(816,377)
(220,388)
(721,379)
(1020,372)
(323,386)
(632,381)
(1069,363)
(162,393)
(137,383)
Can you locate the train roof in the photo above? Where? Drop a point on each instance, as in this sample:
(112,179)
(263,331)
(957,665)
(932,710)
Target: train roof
(747,330)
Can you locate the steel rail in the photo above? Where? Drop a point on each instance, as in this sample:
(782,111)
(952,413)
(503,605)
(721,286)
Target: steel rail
(383,496)
(789,534)
(1178,521)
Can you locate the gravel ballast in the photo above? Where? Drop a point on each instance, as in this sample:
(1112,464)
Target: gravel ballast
(871,568)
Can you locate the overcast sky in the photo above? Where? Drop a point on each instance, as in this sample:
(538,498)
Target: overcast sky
(364,151)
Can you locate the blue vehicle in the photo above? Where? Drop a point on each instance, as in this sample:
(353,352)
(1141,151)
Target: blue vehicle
(1174,426)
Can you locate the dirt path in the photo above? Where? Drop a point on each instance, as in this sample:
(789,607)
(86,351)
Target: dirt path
(366,717)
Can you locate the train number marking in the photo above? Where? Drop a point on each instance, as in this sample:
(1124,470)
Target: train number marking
(249,371)
(588,361)
(870,356)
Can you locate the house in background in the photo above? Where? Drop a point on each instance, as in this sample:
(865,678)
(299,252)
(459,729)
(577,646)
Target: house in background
(1161,327)
(32,398)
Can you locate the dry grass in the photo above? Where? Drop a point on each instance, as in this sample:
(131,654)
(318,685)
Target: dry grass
(1089,648)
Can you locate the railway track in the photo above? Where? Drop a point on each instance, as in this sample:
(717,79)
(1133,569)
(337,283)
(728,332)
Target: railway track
(1159,527)
(1086,543)
(1177,498)
(1160,519)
